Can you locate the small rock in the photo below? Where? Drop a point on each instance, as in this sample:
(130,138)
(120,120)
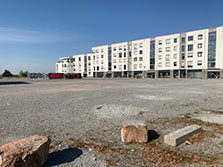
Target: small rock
(187,143)
(28,152)
(99,107)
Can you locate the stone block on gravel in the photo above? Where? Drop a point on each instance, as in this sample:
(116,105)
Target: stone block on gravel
(180,136)
(28,152)
(134,131)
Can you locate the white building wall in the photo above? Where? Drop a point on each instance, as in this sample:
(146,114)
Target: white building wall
(100,58)
(195,59)
(167,55)
(140,55)
(219,48)
(119,56)
(167,52)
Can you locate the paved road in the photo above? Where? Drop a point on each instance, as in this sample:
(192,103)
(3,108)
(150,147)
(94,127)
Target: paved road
(64,109)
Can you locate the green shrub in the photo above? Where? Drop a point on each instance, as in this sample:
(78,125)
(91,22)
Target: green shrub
(23,74)
(138,75)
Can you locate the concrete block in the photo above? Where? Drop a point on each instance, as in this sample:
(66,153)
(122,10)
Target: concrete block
(180,136)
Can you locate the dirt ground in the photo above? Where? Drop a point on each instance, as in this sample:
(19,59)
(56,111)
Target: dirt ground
(83,119)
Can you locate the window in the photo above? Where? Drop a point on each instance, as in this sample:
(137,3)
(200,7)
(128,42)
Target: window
(130,54)
(89,58)
(102,56)
(199,62)
(183,56)
(183,40)
(79,58)
(168,41)
(124,67)
(114,48)
(160,42)
(97,51)
(183,48)
(190,38)
(135,66)
(124,54)
(120,67)
(199,45)
(135,52)
(160,50)
(167,57)
(175,56)
(200,36)
(160,57)
(211,64)
(135,46)
(97,68)
(190,55)
(190,47)
(114,54)
(175,48)
(120,55)
(102,62)
(211,48)
(167,49)
(140,52)
(140,65)
(175,40)
(140,45)
(120,47)
(199,54)
(101,50)
(120,60)
(124,47)
(167,64)
(114,66)
(182,65)
(140,59)
(174,64)
(160,64)
(190,64)
(135,58)
(211,57)
(115,60)
(97,56)
(94,57)
(94,68)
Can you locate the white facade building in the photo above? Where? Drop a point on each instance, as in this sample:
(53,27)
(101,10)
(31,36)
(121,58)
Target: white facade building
(195,54)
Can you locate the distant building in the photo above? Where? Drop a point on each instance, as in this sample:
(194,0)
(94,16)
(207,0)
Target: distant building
(195,54)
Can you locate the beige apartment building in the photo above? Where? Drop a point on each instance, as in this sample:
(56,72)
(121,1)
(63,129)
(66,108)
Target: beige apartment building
(195,54)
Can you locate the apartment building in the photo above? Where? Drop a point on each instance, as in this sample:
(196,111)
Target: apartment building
(195,54)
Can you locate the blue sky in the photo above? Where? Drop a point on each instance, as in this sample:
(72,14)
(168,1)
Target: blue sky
(35,33)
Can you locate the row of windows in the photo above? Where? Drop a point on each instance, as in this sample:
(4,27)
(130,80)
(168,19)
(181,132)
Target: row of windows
(191,47)
(190,63)
(120,67)
(120,61)
(135,66)
(191,38)
(136,59)
(168,41)
(167,64)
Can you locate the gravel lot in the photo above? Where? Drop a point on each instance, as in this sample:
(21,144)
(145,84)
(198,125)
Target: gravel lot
(84,109)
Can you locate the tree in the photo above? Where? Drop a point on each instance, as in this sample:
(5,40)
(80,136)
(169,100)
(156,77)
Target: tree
(23,74)
(7,73)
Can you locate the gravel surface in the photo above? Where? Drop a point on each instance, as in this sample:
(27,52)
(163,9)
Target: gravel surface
(64,109)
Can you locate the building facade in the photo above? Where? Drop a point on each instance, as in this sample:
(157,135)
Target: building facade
(195,54)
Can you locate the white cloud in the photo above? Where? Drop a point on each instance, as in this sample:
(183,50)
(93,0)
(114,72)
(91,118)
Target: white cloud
(14,35)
